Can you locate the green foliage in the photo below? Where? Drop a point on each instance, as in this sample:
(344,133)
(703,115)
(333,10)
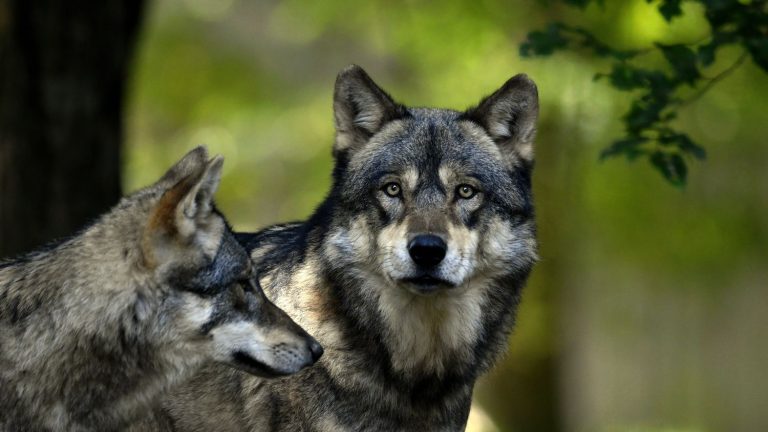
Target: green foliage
(660,90)
(670,9)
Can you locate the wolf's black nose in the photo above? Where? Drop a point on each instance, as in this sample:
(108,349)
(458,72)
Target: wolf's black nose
(316,349)
(427,250)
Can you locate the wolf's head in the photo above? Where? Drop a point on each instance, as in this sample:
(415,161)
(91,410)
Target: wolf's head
(213,303)
(434,198)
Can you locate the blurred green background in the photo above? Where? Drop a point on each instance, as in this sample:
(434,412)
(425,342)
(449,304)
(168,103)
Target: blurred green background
(649,308)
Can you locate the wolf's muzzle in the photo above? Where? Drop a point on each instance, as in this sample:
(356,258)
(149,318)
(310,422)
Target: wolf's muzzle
(427,250)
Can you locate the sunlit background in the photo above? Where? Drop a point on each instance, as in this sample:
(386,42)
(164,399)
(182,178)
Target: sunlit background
(649,309)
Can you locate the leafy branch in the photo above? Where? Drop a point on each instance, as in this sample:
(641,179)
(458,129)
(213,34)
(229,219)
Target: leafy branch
(648,125)
(714,80)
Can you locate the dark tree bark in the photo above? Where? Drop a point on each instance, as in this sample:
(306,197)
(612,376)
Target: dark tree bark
(63,70)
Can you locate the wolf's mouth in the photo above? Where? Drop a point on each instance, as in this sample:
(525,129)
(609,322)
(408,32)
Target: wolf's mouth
(427,283)
(245,362)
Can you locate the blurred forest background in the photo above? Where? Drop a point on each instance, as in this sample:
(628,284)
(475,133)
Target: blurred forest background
(649,308)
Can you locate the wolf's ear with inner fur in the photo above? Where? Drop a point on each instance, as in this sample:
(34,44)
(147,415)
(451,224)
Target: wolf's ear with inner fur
(193,161)
(509,116)
(185,207)
(360,109)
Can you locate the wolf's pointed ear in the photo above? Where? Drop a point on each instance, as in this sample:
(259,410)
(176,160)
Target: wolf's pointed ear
(191,162)
(198,202)
(186,206)
(360,108)
(509,116)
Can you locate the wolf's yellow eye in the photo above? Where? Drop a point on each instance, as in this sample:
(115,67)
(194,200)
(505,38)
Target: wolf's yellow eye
(466,191)
(392,189)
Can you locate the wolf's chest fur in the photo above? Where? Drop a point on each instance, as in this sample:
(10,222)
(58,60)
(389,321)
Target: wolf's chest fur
(421,334)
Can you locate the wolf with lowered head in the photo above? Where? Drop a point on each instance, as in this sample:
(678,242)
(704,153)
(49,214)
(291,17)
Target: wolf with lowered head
(94,329)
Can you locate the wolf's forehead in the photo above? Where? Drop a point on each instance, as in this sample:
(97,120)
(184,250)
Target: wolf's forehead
(430,139)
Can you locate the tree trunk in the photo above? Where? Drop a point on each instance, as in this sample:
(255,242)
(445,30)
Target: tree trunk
(63,69)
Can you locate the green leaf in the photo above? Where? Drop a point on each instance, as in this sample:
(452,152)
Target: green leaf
(544,43)
(720,12)
(706,53)
(659,83)
(625,77)
(670,9)
(683,62)
(643,114)
(627,146)
(758,48)
(671,166)
(686,145)
(588,40)
(683,143)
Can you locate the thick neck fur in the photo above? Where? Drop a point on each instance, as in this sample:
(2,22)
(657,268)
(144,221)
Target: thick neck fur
(79,343)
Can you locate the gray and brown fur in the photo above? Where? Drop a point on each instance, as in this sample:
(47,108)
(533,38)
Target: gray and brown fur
(94,329)
(405,342)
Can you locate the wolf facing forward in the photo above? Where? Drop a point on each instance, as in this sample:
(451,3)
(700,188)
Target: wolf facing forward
(94,329)
(409,273)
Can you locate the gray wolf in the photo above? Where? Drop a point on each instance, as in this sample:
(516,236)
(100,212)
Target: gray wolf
(94,329)
(409,273)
